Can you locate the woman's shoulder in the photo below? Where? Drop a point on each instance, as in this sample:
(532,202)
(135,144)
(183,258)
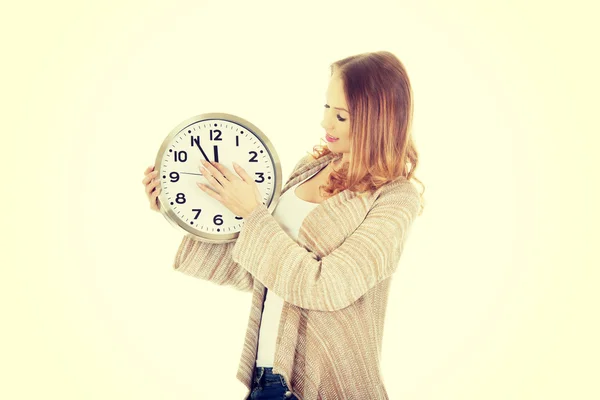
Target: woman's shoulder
(400,187)
(400,193)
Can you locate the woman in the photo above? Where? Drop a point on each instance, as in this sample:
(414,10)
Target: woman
(320,266)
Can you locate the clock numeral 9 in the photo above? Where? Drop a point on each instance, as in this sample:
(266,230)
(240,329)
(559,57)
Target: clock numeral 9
(174,176)
(180,156)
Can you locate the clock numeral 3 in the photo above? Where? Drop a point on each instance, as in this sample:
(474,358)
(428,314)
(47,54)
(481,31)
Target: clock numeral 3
(260,175)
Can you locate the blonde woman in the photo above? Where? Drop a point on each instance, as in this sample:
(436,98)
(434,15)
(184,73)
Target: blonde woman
(319,268)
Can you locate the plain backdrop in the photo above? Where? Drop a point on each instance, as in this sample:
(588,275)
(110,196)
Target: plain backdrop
(495,295)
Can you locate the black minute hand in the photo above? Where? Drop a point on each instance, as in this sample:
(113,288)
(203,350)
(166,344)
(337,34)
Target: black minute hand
(196,141)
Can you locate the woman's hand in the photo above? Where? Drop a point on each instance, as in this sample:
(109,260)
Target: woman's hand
(150,182)
(240,196)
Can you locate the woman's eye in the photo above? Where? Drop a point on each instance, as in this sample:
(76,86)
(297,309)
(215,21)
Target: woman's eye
(338,116)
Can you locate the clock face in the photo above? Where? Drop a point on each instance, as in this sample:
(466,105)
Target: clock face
(213,139)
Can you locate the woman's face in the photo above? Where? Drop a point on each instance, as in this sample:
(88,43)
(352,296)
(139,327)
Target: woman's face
(336,119)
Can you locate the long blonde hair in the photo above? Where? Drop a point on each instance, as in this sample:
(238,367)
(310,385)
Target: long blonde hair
(380,102)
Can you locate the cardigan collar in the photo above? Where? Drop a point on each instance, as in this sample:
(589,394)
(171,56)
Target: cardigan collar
(311,234)
(345,210)
(309,168)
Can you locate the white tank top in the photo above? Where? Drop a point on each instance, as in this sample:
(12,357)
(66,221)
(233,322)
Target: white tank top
(289,213)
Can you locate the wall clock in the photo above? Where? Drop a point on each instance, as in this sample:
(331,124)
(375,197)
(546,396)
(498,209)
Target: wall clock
(223,138)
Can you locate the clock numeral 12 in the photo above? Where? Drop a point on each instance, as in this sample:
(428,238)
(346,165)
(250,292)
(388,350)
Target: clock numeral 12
(218,132)
(195,140)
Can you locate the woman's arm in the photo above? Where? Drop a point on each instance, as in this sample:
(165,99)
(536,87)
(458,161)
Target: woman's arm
(369,254)
(213,261)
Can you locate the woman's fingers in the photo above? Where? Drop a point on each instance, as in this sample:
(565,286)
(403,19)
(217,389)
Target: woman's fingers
(151,185)
(155,202)
(148,171)
(149,177)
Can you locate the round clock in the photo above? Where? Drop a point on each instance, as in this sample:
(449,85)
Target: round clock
(223,138)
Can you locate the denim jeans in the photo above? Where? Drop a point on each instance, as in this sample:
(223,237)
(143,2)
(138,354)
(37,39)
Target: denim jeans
(269,386)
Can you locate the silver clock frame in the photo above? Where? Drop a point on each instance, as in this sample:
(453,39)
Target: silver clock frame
(170,215)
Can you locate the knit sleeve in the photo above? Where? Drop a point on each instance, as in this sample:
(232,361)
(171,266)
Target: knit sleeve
(211,262)
(369,255)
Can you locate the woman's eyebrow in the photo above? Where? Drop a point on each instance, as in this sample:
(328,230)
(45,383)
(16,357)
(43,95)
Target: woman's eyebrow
(343,109)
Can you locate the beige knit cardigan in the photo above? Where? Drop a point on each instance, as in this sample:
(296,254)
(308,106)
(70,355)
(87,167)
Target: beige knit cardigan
(334,282)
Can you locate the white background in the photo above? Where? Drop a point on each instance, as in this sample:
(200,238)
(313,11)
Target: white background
(494,297)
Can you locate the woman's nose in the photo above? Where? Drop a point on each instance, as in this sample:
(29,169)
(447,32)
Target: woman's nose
(326,123)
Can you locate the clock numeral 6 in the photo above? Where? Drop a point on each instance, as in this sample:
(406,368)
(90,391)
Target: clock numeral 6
(218,218)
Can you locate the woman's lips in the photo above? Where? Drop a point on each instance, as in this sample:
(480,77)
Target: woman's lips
(330,138)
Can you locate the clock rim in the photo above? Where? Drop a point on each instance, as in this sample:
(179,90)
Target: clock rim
(170,215)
